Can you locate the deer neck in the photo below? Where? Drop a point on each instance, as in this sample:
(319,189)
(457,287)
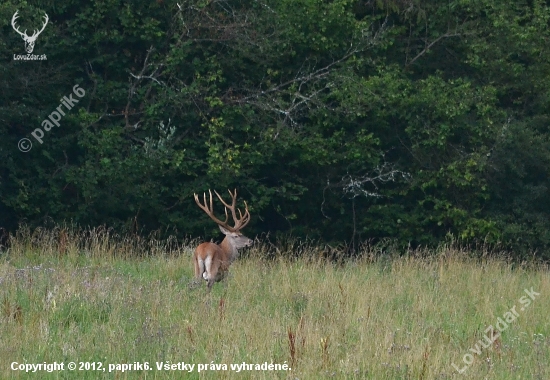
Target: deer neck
(228,246)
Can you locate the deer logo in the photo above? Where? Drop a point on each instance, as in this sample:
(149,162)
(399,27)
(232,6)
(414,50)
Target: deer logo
(29,40)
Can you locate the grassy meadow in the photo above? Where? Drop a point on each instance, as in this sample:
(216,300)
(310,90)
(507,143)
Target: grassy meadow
(95,298)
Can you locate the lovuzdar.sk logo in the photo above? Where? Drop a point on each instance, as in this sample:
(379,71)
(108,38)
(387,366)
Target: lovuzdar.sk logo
(29,40)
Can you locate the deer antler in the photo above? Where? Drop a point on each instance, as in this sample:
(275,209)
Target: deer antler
(43,26)
(240,222)
(24,34)
(15,16)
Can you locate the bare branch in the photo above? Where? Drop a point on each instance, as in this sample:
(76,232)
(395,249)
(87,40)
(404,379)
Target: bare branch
(457,31)
(367,185)
(428,46)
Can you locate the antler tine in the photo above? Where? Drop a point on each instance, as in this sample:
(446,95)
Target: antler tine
(36,32)
(198,202)
(232,206)
(15,17)
(240,222)
(246,218)
(210,211)
(243,219)
(45,23)
(233,199)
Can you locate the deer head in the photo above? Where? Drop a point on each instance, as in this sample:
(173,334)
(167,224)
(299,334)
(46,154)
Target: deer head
(233,234)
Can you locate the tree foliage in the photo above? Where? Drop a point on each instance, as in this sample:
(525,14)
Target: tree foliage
(342,120)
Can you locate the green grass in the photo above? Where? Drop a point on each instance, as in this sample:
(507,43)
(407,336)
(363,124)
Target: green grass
(67,296)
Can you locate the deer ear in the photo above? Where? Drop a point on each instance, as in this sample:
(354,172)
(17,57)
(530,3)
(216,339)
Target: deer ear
(225,232)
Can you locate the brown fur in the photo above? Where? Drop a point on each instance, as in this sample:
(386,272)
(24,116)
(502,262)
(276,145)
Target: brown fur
(212,261)
(219,266)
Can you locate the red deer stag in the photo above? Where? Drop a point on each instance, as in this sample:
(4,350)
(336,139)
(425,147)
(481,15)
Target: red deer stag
(211,260)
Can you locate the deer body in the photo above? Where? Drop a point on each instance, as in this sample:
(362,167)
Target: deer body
(211,261)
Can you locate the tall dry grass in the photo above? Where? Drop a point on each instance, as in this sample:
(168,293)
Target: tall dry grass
(93,296)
